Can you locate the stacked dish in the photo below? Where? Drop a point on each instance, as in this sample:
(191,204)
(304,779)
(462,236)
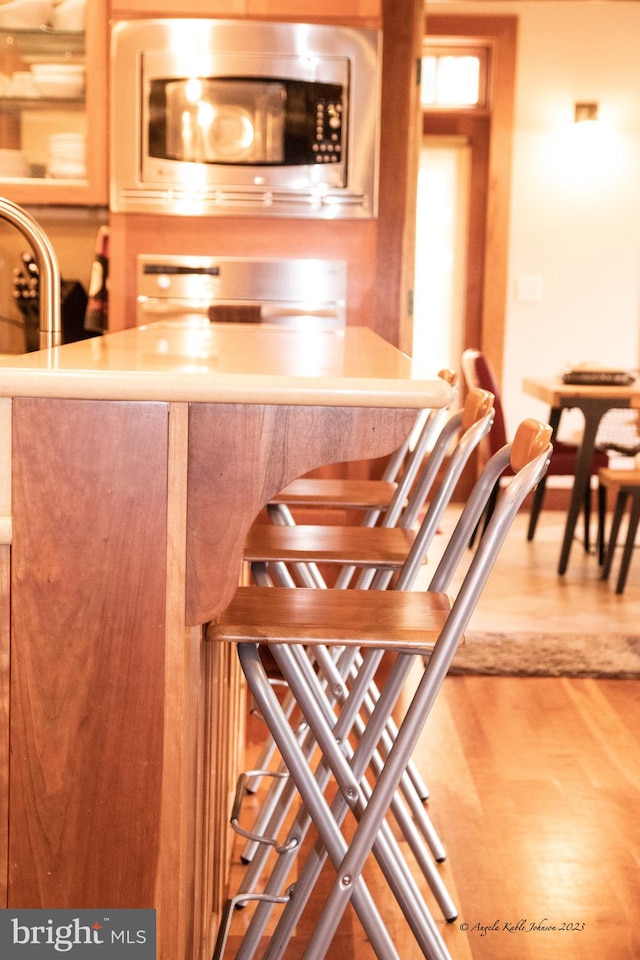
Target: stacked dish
(14,163)
(59,79)
(66,157)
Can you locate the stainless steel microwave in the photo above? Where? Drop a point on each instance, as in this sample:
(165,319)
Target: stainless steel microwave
(244,117)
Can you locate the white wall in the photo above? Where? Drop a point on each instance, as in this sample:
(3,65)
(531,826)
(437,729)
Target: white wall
(575,207)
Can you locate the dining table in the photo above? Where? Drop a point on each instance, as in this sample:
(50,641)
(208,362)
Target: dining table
(132,466)
(593,400)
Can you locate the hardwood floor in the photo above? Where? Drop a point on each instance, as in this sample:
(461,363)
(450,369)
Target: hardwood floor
(535,784)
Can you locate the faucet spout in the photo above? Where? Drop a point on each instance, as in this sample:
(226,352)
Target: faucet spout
(49,287)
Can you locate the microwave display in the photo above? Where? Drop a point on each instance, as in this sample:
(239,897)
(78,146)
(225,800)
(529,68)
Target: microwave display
(246,121)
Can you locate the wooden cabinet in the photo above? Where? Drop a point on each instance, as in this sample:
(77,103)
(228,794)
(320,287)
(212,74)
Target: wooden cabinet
(73,168)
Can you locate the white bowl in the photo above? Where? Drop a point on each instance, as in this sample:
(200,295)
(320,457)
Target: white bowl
(25,14)
(58,79)
(57,69)
(14,163)
(60,87)
(65,170)
(69,15)
(22,84)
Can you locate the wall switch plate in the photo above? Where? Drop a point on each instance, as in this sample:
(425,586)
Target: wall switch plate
(529,288)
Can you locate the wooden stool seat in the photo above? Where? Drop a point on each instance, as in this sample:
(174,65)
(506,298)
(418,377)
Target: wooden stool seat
(383,548)
(346,493)
(614,479)
(392,619)
(366,494)
(624,485)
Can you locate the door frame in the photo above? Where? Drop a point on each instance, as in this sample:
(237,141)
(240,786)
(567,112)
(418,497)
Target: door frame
(488,249)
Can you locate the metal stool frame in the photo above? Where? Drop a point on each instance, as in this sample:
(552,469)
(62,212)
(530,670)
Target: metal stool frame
(370,802)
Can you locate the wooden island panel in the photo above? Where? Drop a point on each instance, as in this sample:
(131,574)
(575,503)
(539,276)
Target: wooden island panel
(87,668)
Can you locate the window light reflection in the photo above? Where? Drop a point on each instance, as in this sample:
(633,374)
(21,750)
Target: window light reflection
(449,80)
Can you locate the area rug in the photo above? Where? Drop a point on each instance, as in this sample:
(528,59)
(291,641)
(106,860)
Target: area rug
(613,656)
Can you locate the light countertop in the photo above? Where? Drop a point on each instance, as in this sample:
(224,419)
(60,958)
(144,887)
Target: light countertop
(226,363)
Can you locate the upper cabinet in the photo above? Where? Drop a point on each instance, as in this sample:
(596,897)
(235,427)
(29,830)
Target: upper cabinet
(53,102)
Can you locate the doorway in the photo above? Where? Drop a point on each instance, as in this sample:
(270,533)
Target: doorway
(478,315)
(441,246)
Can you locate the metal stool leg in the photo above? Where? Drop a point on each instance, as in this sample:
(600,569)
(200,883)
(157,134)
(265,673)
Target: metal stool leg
(315,803)
(413,835)
(349,777)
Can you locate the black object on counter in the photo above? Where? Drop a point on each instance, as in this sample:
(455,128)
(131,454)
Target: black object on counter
(73,305)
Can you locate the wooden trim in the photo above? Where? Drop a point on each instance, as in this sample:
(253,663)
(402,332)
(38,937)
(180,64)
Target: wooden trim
(402,42)
(176,896)
(5,572)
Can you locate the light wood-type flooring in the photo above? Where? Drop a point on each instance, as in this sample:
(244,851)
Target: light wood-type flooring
(535,782)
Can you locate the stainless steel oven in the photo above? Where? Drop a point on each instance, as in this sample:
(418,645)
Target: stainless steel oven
(302,293)
(244,117)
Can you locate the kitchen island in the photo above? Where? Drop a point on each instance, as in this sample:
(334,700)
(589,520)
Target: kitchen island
(139,461)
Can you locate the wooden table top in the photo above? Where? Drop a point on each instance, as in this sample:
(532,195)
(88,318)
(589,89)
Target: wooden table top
(556,393)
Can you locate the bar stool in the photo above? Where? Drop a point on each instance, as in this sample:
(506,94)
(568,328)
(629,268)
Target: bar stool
(383,552)
(419,628)
(624,485)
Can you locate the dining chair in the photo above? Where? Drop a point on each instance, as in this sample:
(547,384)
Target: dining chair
(422,630)
(618,436)
(478,372)
(377,552)
(624,487)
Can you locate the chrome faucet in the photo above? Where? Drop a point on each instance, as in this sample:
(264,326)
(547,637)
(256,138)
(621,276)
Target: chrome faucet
(49,286)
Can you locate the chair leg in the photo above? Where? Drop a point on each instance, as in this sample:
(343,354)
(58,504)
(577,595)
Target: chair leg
(587,516)
(602,517)
(629,543)
(618,512)
(536,507)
